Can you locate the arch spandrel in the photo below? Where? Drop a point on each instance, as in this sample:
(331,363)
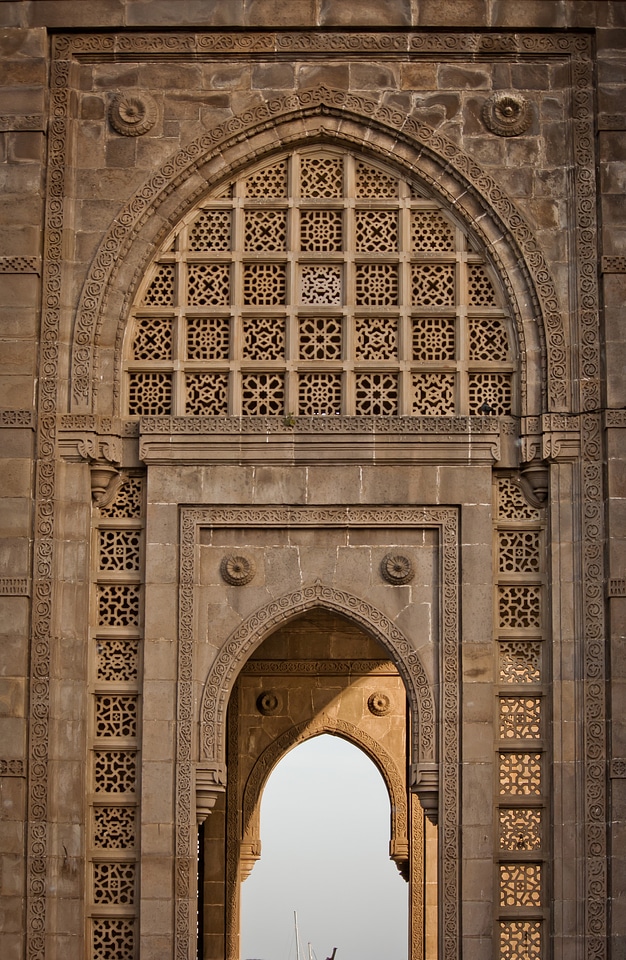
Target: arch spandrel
(335,117)
(250,634)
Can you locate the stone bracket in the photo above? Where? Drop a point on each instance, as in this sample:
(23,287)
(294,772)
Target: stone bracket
(210,783)
(425,783)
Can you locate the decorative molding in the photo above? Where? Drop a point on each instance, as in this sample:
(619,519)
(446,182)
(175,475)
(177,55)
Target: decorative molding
(14,587)
(133,113)
(611,121)
(12,768)
(355,668)
(507,114)
(15,124)
(20,265)
(613,264)
(616,587)
(252,632)
(17,418)
(190,426)
(308,105)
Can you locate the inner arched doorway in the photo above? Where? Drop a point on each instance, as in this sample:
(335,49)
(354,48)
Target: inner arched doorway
(319,673)
(325,834)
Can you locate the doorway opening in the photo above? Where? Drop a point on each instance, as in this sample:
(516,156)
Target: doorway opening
(325,817)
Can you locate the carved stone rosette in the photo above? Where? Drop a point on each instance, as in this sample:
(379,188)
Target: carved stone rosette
(237,570)
(269,703)
(379,704)
(507,114)
(396,569)
(132,114)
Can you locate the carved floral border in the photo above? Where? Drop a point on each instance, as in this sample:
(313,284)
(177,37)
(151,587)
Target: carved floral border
(252,631)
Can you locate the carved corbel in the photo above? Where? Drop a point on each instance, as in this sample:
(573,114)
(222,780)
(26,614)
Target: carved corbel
(534,481)
(103,455)
(425,783)
(249,853)
(208,789)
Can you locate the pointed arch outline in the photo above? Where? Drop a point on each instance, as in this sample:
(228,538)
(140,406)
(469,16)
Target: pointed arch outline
(302,732)
(333,116)
(256,627)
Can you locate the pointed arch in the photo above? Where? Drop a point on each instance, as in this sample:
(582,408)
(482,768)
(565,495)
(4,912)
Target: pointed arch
(255,628)
(333,116)
(299,734)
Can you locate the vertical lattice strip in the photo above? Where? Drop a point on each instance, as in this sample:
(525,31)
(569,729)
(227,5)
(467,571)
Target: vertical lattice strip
(115,648)
(521,826)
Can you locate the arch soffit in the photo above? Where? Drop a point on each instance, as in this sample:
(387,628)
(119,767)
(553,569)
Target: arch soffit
(307,730)
(255,628)
(322,114)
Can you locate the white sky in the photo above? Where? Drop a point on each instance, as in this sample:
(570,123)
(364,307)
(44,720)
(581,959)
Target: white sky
(325,835)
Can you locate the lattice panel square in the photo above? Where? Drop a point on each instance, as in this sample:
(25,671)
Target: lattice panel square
(520,661)
(431,233)
(160,292)
(520,940)
(119,549)
(376,231)
(321,285)
(376,338)
(374,184)
(115,771)
(480,288)
(153,338)
(520,718)
(433,394)
(512,504)
(376,394)
(208,338)
(210,231)
(208,284)
(265,230)
(114,827)
(206,394)
(116,715)
(519,774)
(128,500)
(118,605)
(321,177)
(262,394)
(432,284)
(264,284)
(269,183)
(149,394)
(491,388)
(519,828)
(114,883)
(487,339)
(376,284)
(320,338)
(117,660)
(264,338)
(113,938)
(434,338)
(520,885)
(518,551)
(319,394)
(321,231)
(519,607)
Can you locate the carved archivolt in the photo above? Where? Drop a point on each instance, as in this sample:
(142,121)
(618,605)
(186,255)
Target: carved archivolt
(337,117)
(255,628)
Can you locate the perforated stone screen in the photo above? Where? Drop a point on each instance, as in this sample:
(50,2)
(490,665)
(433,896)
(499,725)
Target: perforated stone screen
(319,283)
